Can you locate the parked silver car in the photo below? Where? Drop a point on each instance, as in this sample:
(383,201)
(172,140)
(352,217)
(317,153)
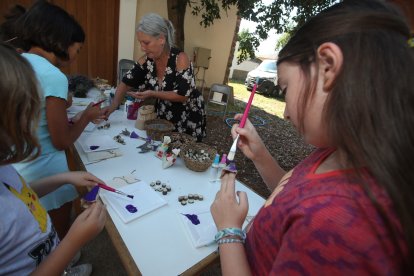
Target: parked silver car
(266,75)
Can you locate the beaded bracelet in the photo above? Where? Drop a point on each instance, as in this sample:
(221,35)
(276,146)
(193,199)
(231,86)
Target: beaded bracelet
(230,232)
(230,241)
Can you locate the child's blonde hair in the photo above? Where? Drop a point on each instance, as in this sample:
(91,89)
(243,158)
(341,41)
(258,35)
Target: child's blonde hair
(20,106)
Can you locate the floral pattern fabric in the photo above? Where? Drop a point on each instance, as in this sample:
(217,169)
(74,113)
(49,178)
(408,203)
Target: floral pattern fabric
(188,117)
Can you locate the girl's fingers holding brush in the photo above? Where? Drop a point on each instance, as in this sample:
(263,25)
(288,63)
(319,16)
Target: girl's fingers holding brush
(249,141)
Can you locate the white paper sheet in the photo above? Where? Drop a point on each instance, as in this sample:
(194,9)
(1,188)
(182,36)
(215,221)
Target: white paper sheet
(203,233)
(145,200)
(103,142)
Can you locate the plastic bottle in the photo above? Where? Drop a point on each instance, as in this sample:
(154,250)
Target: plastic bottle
(215,167)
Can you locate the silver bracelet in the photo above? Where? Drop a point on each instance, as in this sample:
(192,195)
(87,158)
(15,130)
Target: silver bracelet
(221,241)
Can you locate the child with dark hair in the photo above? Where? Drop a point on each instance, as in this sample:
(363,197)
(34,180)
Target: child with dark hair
(54,39)
(28,241)
(9,30)
(348,208)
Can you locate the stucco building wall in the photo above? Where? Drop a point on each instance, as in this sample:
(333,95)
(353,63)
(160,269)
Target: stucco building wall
(217,37)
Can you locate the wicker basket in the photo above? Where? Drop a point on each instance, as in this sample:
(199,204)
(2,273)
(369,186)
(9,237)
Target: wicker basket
(157,128)
(179,139)
(196,148)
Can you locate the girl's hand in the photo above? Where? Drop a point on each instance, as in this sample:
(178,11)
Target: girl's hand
(87,225)
(93,113)
(82,179)
(227,211)
(108,110)
(249,141)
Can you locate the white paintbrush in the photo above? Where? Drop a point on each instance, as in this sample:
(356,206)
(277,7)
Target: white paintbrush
(233,148)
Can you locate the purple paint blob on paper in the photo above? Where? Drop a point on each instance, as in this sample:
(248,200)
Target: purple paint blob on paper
(193,218)
(134,135)
(131,208)
(91,195)
(94,147)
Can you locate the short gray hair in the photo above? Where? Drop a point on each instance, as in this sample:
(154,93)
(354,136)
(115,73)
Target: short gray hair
(153,24)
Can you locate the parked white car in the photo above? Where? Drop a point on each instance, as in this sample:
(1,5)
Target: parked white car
(266,75)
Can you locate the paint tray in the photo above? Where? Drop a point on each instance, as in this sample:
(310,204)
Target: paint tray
(145,200)
(203,233)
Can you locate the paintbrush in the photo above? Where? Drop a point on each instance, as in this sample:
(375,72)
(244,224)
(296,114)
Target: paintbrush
(105,187)
(233,148)
(98,103)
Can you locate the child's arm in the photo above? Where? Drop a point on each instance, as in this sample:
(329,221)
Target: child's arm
(48,184)
(61,132)
(120,93)
(230,212)
(86,226)
(233,259)
(253,148)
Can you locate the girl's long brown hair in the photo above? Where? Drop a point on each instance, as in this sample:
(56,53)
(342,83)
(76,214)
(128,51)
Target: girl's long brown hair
(20,105)
(370,111)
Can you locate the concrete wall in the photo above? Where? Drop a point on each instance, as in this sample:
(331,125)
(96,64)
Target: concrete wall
(217,37)
(127,18)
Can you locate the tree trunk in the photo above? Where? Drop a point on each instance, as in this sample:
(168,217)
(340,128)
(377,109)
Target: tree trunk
(231,55)
(176,14)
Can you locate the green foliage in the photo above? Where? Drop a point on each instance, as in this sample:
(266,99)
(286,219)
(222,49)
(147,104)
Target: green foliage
(210,9)
(247,44)
(279,16)
(283,39)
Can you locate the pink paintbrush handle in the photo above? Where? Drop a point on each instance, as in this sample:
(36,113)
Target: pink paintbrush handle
(103,186)
(249,103)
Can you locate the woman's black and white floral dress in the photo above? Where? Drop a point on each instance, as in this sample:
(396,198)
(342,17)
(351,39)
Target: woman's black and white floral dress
(188,117)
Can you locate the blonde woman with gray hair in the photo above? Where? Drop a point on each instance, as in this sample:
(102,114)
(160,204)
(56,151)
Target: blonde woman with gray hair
(165,73)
